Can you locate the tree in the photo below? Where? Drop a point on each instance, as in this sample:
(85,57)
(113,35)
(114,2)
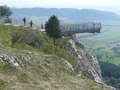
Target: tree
(5,11)
(52,28)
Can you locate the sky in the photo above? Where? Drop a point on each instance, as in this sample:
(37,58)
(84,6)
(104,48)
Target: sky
(109,5)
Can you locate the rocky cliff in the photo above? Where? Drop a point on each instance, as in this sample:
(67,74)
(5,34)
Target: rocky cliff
(87,63)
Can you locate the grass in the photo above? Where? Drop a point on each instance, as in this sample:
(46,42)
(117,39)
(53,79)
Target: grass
(3,84)
(45,70)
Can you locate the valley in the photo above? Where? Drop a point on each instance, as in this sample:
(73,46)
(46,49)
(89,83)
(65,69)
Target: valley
(106,45)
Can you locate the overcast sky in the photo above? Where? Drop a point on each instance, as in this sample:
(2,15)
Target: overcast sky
(111,5)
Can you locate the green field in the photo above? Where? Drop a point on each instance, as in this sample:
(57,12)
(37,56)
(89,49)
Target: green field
(106,44)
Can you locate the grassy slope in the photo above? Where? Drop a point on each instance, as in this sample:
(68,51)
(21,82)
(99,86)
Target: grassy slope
(45,70)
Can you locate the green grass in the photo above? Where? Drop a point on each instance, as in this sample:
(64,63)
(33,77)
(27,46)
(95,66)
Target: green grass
(45,70)
(3,84)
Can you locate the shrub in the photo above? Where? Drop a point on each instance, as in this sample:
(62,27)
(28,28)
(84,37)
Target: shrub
(3,84)
(80,45)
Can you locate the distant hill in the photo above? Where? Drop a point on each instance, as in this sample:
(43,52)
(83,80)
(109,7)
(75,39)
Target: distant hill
(75,15)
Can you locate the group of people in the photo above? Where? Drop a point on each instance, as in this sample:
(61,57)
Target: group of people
(24,21)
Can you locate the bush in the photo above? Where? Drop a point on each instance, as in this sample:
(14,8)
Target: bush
(3,84)
(49,49)
(15,37)
(80,45)
(35,39)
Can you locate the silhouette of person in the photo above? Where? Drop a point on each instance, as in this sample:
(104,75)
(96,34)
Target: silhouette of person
(24,20)
(31,23)
(42,27)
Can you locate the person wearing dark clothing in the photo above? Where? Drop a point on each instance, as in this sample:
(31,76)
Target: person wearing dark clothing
(42,27)
(24,20)
(31,23)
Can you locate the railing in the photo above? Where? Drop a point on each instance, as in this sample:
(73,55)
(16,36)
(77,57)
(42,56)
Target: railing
(70,29)
(66,29)
(19,22)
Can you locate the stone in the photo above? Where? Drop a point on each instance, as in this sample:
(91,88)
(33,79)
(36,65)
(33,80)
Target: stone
(87,64)
(12,60)
(69,66)
(29,53)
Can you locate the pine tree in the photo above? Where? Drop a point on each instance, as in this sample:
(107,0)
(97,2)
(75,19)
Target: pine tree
(52,28)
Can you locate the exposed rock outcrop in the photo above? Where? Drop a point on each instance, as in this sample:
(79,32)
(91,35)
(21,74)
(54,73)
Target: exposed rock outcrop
(15,61)
(69,66)
(87,62)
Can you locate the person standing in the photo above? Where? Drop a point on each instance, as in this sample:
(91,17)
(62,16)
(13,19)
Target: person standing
(24,21)
(31,23)
(42,27)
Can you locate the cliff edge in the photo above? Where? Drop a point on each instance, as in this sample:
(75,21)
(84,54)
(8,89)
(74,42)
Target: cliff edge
(87,63)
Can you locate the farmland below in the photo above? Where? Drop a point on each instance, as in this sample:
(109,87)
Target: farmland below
(106,44)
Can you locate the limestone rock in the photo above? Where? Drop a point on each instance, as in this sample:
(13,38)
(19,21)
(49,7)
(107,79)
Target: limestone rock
(87,62)
(15,61)
(69,66)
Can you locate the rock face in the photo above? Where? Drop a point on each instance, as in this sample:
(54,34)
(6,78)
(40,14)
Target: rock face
(15,61)
(69,66)
(87,62)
